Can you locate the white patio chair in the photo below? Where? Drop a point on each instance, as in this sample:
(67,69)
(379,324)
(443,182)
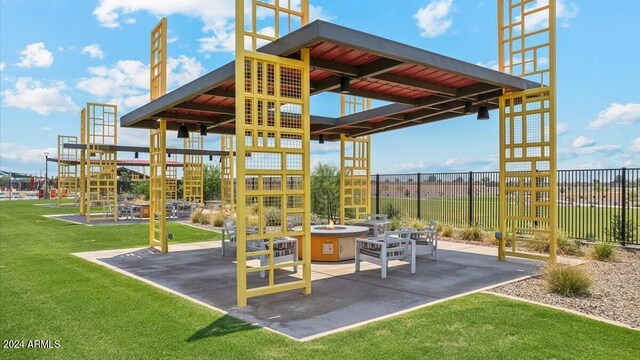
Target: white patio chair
(394,245)
(426,240)
(229,233)
(378,224)
(285,249)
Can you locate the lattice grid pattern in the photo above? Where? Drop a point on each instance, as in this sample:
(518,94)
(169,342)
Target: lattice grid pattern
(158,187)
(273,126)
(193,170)
(158,174)
(528,200)
(172,178)
(227,181)
(101,165)
(68,175)
(524,33)
(355,167)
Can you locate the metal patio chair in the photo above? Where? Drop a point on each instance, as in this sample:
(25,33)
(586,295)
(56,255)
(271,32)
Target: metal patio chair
(393,245)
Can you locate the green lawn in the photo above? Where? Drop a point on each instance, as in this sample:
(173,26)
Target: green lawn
(46,293)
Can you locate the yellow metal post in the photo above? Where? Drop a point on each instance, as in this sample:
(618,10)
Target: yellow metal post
(158,142)
(355,165)
(272,124)
(528,155)
(83,163)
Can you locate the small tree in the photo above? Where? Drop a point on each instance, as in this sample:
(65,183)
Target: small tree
(212,182)
(141,189)
(325,190)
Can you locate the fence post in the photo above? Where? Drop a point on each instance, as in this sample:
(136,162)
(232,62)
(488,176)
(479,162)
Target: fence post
(377,193)
(623,230)
(418,195)
(470,198)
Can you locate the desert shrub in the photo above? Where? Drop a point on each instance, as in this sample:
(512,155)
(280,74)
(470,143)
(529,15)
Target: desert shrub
(391,211)
(565,246)
(439,227)
(447,231)
(602,251)
(253,209)
(200,217)
(272,216)
(472,233)
(218,219)
(567,280)
(252,220)
(413,223)
(394,224)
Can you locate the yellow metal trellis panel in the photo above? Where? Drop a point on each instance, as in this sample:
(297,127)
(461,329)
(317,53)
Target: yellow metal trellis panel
(272,123)
(83,164)
(227,173)
(100,165)
(158,182)
(193,170)
(355,165)
(528,156)
(68,177)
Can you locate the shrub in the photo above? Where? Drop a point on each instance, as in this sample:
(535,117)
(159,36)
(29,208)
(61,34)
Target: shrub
(615,230)
(472,233)
(272,216)
(447,231)
(218,219)
(565,246)
(391,211)
(200,217)
(413,223)
(567,280)
(141,189)
(394,224)
(439,227)
(602,251)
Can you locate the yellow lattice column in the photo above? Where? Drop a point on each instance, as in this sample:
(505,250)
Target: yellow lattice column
(101,165)
(355,166)
(227,173)
(158,142)
(528,170)
(272,124)
(67,169)
(193,170)
(83,163)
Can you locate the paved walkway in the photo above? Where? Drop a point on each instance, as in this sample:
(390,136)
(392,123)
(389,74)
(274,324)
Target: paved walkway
(341,298)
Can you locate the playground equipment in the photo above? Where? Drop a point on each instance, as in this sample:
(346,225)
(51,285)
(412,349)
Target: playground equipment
(268,89)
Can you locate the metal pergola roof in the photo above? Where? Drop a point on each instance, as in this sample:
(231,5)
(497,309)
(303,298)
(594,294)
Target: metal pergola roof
(422,86)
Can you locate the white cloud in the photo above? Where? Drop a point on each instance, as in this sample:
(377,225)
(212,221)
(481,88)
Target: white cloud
(217,17)
(27,155)
(565,10)
(635,146)
(34,95)
(45,128)
(582,141)
(562,128)
(126,83)
(433,19)
(624,114)
(2,66)
(493,64)
(94,51)
(35,55)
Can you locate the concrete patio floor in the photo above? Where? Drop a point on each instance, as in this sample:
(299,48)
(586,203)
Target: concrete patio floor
(340,297)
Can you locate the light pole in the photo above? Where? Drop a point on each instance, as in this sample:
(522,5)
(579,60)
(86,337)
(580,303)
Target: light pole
(46,174)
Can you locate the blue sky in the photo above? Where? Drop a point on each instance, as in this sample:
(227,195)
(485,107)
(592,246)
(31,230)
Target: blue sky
(56,55)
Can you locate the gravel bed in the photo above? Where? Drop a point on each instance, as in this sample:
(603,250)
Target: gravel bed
(614,295)
(200,226)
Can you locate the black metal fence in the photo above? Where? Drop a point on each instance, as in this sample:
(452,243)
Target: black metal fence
(602,204)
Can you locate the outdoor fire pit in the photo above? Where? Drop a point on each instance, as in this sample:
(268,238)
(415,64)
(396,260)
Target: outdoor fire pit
(334,242)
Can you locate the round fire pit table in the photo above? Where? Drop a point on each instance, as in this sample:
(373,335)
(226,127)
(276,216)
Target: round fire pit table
(334,242)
